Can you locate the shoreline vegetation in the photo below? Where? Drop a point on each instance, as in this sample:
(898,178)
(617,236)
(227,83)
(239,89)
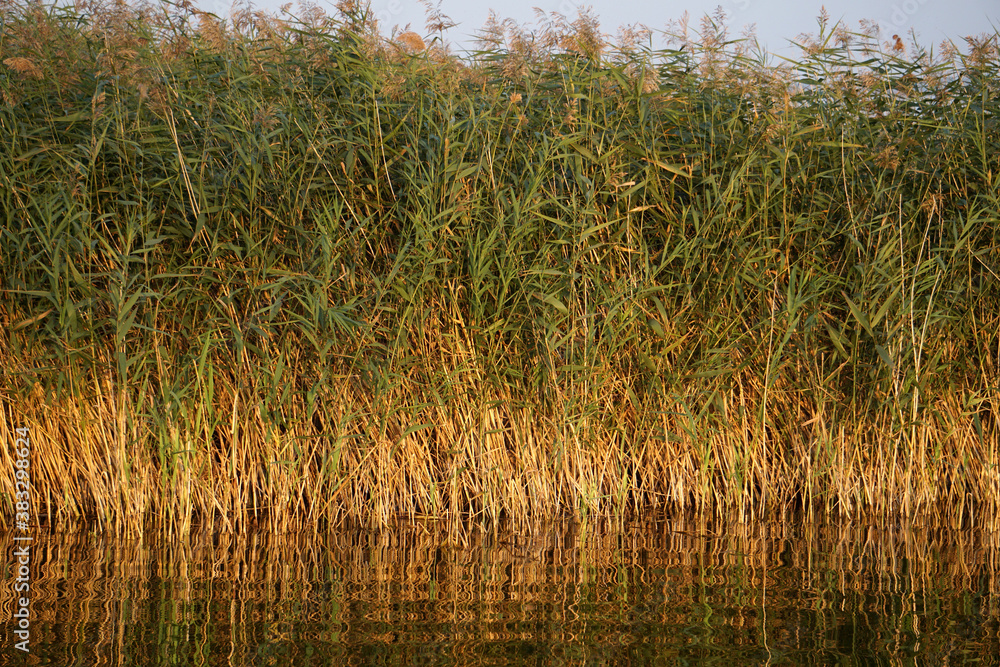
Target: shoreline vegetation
(297,271)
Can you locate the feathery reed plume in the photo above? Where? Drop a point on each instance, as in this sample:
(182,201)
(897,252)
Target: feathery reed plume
(24,66)
(411,42)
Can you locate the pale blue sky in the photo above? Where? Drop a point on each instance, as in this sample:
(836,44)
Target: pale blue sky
(777,21)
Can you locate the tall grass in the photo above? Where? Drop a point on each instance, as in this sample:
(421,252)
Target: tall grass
(295,270)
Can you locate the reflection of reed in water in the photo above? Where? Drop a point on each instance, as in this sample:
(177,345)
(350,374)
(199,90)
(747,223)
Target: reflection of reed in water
(646,585)
(536,545)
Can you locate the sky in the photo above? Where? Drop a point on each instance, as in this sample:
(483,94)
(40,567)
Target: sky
(776,21)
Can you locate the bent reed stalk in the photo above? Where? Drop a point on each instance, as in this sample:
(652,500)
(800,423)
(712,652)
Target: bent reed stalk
(288,269)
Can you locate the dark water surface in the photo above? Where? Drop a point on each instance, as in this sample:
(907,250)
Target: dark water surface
(672,594)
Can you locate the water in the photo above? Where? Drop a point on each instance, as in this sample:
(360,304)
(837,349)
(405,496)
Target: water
(658,594)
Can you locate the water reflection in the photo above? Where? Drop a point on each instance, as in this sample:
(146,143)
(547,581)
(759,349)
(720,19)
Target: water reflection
(673,593)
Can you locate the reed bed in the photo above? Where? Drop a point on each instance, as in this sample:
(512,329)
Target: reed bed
(288,268)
